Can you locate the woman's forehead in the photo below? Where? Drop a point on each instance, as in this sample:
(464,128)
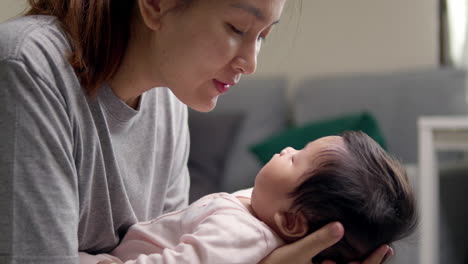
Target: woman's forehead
(262,10)
(254,9)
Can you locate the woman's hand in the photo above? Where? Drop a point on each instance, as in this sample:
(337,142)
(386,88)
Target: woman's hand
(379,256)
(302,251)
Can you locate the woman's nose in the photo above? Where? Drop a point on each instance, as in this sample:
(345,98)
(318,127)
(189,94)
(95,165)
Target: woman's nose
(246,60)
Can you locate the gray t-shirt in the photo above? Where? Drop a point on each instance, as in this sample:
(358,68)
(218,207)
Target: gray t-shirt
(76,171)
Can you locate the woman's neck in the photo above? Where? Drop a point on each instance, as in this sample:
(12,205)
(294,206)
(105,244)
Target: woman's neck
(135,74)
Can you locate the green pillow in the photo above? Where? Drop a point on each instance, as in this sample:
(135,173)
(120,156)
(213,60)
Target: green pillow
(298,137)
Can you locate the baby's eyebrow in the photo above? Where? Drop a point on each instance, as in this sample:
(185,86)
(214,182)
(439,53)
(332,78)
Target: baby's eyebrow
(308,144)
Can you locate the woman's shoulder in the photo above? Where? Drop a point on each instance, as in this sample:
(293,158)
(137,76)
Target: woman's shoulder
(35,40)
(38,46)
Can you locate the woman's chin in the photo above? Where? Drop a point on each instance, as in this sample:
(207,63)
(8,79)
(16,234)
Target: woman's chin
(204,106)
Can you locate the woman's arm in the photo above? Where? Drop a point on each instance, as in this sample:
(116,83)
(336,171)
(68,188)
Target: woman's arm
(38,182)
(302,251)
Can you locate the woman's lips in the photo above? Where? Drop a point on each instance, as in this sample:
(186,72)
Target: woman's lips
(221,87)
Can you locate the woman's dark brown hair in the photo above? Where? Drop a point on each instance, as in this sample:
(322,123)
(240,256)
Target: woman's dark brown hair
(98,31)
(365,189)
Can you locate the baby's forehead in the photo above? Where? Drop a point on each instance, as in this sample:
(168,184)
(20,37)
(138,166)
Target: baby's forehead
(326,143)
(324,149)
(333,139)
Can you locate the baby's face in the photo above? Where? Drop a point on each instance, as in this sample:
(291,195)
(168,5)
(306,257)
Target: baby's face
(283,173)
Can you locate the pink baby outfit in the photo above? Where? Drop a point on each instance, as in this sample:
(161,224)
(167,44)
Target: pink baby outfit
(216,229)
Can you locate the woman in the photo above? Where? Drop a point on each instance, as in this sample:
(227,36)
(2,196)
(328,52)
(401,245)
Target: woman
(88,147)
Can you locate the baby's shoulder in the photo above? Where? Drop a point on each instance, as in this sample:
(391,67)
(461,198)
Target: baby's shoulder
(216,202)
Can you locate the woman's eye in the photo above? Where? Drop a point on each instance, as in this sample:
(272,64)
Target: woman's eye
(235,30)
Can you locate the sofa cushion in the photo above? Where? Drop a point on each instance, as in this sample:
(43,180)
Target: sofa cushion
(298,137)
(211,137)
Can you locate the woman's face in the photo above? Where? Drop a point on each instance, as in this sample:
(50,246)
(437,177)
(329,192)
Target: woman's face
(204,49)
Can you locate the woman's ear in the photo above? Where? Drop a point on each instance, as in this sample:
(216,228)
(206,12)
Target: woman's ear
(291,224)
(152,11)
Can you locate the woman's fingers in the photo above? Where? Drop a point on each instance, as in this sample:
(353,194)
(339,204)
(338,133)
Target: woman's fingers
(320,240)
(388,255)
(304,249)
(379,255)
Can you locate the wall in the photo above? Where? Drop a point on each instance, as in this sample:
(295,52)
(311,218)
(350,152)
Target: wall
(328,37)
(11,8)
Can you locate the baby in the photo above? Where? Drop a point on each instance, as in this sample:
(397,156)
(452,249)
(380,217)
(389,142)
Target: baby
(347,178)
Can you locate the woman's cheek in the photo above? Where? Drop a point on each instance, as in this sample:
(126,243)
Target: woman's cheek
(229,47)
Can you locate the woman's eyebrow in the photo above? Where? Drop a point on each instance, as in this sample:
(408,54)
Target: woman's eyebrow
(252,10)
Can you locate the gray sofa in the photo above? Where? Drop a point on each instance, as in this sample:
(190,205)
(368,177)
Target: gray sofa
(396,100)
(256,109)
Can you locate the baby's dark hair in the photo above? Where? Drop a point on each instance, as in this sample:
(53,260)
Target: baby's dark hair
(365,189)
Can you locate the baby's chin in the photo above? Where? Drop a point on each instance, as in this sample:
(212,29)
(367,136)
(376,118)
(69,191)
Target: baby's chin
(253,204)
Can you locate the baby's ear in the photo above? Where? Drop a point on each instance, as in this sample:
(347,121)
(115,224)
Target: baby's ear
(292,224)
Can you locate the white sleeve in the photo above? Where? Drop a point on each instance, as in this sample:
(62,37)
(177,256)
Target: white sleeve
(86,258)
(229,236)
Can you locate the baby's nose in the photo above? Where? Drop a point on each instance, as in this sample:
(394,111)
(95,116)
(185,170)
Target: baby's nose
(286,151)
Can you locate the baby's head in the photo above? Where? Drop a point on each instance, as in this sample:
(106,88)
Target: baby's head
(347,178)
